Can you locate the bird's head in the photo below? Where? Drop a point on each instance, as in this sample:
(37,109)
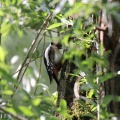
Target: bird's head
(58,45)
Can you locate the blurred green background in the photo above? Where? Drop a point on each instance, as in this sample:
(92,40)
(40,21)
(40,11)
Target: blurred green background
(17,47)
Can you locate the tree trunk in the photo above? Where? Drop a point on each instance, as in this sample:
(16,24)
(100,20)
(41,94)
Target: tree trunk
(112,42)
(65,90)
(110,38)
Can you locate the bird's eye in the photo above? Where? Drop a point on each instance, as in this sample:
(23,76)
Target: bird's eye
(52,43)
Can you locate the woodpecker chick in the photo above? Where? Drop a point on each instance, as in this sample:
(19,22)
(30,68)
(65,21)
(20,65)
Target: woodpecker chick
(52,60)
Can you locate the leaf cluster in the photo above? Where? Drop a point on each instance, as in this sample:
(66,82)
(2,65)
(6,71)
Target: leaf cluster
(75,26)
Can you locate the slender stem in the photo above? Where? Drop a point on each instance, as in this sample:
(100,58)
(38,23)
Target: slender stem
(40,67)
(30,49)
(27,64)
(32,45)
(98,100)
(15,88)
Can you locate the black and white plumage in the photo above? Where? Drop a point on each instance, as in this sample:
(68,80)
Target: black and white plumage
(52,60)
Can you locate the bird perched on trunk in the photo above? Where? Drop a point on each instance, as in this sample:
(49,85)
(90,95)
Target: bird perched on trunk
(53,60)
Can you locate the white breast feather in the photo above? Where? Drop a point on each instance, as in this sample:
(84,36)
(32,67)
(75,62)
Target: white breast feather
(46,54)
(58,56)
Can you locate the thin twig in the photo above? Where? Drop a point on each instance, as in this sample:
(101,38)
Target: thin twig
(104,28)
(31,58)
(13,115)
(15,88)
(27,64)
(34,32)
(40,67)
(33,43)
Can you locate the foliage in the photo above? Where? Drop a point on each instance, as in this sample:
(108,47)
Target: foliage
(75,24)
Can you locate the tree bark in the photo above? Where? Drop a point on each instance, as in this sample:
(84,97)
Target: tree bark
(65,90)
(112,43)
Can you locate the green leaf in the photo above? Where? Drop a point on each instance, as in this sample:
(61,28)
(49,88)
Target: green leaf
(2,54)
(89,115)
(107,99)
(36,101)
(25,110)
(86,86)
(36,63)
(63,109)
(5,28)
(54,26)
(20,33)
(36,54)
(94,108)
(81,102)
(52,118)
(19,2)
(3,82)
(7,92)
(1,13)
(7,2)
(106,77)
(90,93)
(6,76)
(11,110)
(63,104)
(27,96)
(13,2)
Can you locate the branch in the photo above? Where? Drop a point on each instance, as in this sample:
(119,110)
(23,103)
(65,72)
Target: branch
(27,64)
(32,45)
(101,28)
(13,115)
(15,88)
(40,67)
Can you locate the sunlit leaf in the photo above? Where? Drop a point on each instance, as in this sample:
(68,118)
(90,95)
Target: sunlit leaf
(11,110)
(1,13)
(63,104)
(13,2)
(54,26)
(2,54)
(5,28)
(19,2)
(94,108)
(3,82)
(20,33)
(25,110)
(75,9)
(7,2)
(90,93)
(36,101)
(8,92)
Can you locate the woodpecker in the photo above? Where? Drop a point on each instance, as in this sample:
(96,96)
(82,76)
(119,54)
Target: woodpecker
(53,60)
